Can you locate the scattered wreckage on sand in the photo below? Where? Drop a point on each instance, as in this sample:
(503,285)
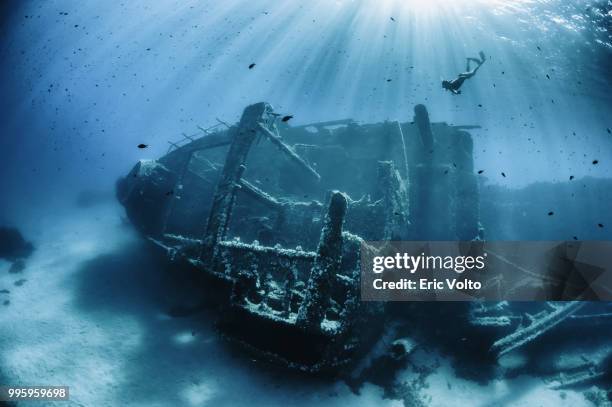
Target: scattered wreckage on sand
(274,216)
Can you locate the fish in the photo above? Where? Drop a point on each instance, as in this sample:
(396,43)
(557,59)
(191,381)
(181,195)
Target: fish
(143,145)
(286,118)
(252,66)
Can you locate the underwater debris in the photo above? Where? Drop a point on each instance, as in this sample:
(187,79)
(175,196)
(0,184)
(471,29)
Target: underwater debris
(584,371)
(538,325)
(584,376)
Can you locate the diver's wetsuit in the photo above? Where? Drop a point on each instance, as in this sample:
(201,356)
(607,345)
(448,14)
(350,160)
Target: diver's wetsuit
(455,84)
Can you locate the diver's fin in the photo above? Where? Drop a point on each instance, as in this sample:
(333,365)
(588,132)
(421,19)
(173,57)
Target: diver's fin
(482,57)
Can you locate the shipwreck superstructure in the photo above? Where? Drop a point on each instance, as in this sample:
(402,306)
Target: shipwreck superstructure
(276,214)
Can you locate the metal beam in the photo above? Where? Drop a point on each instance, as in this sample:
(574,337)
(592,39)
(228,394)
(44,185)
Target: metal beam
(258,194)
(289,151)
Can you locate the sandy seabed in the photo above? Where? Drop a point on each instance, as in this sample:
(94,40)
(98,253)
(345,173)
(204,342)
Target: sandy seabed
(89,312)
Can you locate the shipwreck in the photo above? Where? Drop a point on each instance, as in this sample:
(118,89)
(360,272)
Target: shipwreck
(272,217)
(275,215)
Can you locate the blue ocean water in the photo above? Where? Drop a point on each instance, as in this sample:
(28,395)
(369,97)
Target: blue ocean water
(84,83)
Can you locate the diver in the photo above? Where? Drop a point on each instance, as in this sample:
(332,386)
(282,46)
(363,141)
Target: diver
(455,84)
